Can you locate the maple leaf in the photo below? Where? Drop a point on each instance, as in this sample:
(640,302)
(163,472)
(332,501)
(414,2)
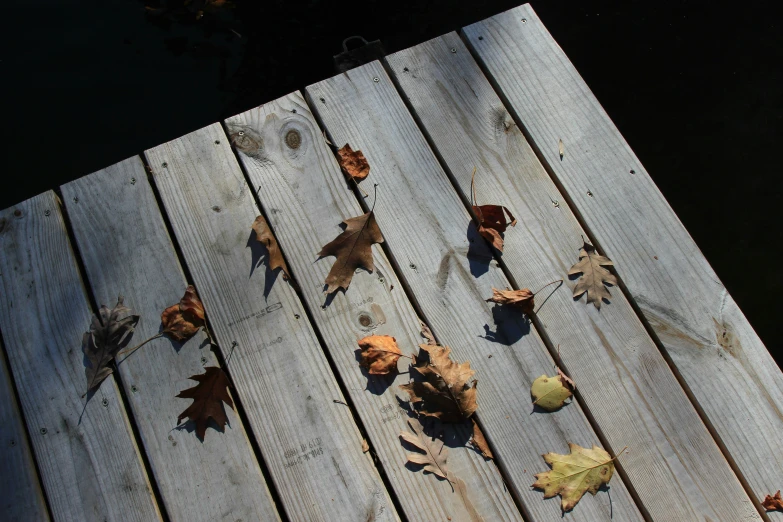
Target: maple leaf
(491,219)
(182,320)
(549,393)
(264,235)
(380,354)
(444,393)
(594,275)
(434,452)
(110,331)
(480,443)
(353,249)
(772,503)
(522,299)
(208,397)
(353,163)
(575,474)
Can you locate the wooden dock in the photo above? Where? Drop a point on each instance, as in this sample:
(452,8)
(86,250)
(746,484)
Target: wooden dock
(668,367)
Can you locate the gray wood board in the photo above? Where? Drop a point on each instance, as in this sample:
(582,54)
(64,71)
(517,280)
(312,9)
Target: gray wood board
(22,495)
(428,232)
(673,462)
(726,367)
(126,250)
(89,463)
(309,442)
(306,198)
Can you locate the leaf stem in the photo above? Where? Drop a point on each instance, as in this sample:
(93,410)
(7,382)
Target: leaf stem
(620,453)
(129,351)
(550,283)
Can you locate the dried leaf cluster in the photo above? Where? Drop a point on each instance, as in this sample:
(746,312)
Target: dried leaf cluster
(773,503)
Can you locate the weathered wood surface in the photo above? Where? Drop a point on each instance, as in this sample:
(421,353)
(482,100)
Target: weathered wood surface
(22,496)
(126,250)
(306,197)
(89,463)
(726,367)
(673,463)
(428,232)
(309,442)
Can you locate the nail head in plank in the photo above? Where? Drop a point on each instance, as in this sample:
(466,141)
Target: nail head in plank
(674,465)
(126,250)
(91,470)
(424,224)
(310,444)
(715,350)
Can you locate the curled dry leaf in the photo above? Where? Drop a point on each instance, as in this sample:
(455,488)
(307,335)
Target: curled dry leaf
(773,503)
(380,354)
(594,275)
(264,235)
(208,397)
(353,163)
(182,320)
(365,446)
(549,393)
(491,219)
(427,334)
(110,331)
(565,378)
(480,443)
(444,392)
(575,474)
(353,249)
(434,452)
(522,299)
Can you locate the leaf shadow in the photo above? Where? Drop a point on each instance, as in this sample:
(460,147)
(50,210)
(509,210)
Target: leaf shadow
(189,426)
(376,384)
(479,252)
(260,256)
(511,325)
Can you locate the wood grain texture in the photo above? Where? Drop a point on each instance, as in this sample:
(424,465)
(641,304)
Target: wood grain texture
(126,250)
(306,198)
(429,236)
(714,348)
(22,496)
(89,463)
(309,442)
(674,464)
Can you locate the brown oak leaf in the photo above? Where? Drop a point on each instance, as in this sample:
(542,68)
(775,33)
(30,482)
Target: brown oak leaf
(380,354)
(110,331)
(264,235)
(480,443)
(427,334)
(208,397)
(772,503)
(444,392)
(353,249)
(434,452)
(594,275)
(182,320)
(353,163)
(522,299)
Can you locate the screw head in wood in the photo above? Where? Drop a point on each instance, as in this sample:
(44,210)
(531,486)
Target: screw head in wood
(633,171)
(75,200)
(105,402)
(589,193)
(164,165)
(134,389)
(44,431)
(47,212)
(524,20)
(453,49)
(376,79)
(241,133)
(17,213)
(217,142)
(203,360)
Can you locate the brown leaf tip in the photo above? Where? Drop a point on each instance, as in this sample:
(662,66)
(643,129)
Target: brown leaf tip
(379,354)
(208,397)
(773,503)
(353,163)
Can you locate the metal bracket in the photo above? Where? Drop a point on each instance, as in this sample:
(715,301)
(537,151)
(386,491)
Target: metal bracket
(365,53)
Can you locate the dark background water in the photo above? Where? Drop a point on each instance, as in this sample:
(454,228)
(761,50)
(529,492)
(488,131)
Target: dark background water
(695,89)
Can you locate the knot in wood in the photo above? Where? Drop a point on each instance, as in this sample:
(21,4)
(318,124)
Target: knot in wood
(293,139)
(365,320)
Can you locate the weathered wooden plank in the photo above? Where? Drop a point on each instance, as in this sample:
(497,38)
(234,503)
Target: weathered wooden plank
(726,367)
(89,463)
(22,495)
(674,464)
(428,233)
(126,250)
(309,442)
(306,198)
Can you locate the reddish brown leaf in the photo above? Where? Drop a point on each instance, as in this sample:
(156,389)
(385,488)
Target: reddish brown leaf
(522,299)
(182,320)
(264,235)
(208,397)
(565,378)
(380,354)
(773,503)
(353,249)
(110,331)
(353,163)
(492,223)
(480,442)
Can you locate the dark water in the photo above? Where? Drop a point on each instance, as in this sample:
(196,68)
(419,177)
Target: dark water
(695,90)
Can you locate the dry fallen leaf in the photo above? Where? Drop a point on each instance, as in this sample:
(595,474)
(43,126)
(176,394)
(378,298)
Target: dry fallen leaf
(353,163)
(772,503)
(480,442)
(208,397)
(565,378)
(434,452)
(491,219)
(594,275)
(427,334)
(110,331)
(522,299)
(182,320)
(549,393)
(560,149)
(352,249)
(380,354)
(264,235)
(365,446)
(444,393)
(575,474)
